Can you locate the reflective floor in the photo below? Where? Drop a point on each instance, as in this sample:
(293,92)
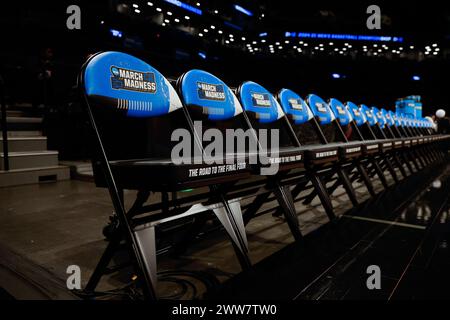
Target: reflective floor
(404,231)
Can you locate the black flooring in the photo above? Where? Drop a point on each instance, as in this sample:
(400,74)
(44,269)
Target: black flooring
(405,232)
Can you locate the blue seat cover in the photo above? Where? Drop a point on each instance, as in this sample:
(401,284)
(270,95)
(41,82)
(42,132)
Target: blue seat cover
(340,111)
(203,89)
(387,115)
(257,99)
(356,113)
(126,83)
(294,106)
(320,109)
(368,113)
(394,117)
(380,117)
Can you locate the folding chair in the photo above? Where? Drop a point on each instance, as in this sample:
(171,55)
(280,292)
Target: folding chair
(134,111)
(265,116)
(372,130)
(323,165)
(361,130)
(396,144)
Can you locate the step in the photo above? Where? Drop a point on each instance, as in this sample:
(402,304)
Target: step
(32,159)
(15,119)
(15,113)
(80,170)
(25,133)
(34,175)
(24,123)
(22,144)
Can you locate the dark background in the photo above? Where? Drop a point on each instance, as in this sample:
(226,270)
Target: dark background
(29,28)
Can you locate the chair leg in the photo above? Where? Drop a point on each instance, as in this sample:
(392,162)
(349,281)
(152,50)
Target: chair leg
(102,265)
(230,215)
(285,200)
(366,179)
(343,176)
(323,195)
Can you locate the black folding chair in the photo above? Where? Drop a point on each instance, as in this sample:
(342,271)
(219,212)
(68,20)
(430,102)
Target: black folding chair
(134,112)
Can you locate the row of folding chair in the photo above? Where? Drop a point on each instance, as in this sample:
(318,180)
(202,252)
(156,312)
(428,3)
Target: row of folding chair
(139,120)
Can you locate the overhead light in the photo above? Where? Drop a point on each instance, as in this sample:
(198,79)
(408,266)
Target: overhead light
(243,38)
(331,43)
(231,36)
(187,17)
(216,11)
(163,24)
(411,47)
(254,42)
(198,4)
(166,20)
(137,10)
(205,30)
(280,47)
(434,45)
(243,10)
(202,55)
(416,78)
(226,41)
(116,33)
(200,34)
(213,27)
(177,20)
(169,13)
(185,6)
(158,9)
(220,31)
(335,75)
(135,5)
(263,40)
(150,4)
(277,43)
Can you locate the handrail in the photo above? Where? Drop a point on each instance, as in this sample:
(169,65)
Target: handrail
(4,125)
